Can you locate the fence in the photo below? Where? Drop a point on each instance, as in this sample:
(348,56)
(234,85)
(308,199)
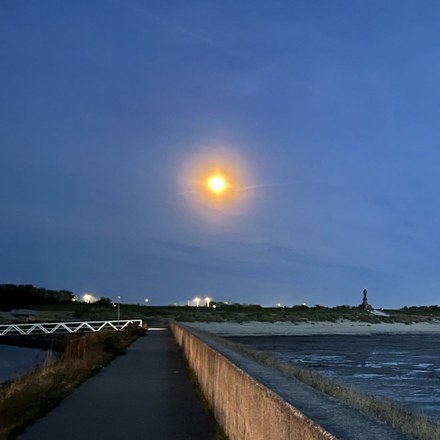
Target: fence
(50,328)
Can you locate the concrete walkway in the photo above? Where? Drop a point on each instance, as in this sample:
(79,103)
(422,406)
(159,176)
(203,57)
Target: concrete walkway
(145,394)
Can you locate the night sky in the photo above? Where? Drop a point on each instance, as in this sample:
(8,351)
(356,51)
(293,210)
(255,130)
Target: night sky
(322,116)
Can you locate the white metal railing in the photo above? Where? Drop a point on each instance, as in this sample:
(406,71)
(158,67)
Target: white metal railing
(50,328)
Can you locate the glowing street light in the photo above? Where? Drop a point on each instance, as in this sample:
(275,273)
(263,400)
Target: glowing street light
(197,300)
(207,301)
(87,298)
(146,301)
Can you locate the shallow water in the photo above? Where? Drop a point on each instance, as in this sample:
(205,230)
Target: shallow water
(404,368)
(15,360)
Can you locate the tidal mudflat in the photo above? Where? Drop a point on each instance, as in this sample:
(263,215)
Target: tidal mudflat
(402,367)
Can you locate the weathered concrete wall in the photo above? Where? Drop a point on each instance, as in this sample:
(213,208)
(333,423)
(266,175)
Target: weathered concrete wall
(244,408)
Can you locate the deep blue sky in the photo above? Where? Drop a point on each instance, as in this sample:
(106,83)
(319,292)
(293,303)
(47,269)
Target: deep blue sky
(327,111)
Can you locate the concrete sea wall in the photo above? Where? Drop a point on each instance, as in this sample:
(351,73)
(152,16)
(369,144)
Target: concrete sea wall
(244,408)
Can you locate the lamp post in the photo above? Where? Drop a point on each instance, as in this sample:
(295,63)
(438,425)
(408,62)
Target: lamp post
(197,300)
(119,308)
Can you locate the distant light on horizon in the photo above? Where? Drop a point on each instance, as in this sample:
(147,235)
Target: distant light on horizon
(88,298)
(200,302)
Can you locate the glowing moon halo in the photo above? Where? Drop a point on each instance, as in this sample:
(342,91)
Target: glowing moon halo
(215,184)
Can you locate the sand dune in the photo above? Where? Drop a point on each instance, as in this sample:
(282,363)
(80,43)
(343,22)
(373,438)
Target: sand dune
(342,327)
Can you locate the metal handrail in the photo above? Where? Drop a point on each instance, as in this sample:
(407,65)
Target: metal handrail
(50,328)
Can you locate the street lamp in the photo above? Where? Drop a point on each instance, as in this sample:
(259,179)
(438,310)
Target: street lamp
(197,300)
(119,308)
(208,301)
(146,301)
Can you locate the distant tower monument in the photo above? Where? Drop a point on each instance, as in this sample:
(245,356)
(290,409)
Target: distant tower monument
(365,306)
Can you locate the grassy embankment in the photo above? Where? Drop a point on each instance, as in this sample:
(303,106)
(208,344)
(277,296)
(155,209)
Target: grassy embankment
(30,396)
(239,313)
(299,314)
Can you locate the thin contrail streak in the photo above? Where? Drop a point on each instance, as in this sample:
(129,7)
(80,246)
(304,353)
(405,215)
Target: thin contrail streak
(242,189)
(252,187)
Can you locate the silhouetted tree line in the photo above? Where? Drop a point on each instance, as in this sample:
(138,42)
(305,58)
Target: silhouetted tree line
(104,301)
(23,296)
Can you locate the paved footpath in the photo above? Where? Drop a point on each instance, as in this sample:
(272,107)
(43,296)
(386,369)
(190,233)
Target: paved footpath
(145,394)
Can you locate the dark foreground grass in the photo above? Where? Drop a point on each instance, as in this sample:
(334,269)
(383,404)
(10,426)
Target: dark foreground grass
(415,425)
(30,396)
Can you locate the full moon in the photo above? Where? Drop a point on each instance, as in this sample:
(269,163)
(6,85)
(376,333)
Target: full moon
(216,184)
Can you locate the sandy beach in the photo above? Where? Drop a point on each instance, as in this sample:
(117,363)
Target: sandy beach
(342,327)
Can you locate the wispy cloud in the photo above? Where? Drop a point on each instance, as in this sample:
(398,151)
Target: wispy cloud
(256,187)
(259,256)
(177,28)
(180,29)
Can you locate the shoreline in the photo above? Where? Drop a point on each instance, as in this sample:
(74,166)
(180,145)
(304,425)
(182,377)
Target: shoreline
(341,327)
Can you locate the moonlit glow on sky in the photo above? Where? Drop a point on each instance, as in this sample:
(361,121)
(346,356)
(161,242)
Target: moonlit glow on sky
(321,117)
